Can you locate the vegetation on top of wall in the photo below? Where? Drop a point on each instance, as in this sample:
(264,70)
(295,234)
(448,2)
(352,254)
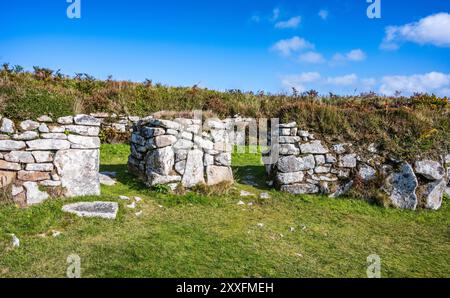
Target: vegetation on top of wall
(404,125)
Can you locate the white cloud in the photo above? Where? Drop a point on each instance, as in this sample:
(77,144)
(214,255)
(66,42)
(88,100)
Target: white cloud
(312,57)
(298,81)
(292,23)
(345,80)
(432,82)
(275,14)
(354,56)
(286,46)
(255,18)
(434,30)
(368,83)
(323,14)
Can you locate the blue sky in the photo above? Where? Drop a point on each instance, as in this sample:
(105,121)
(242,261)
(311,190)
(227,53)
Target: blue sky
(328,45)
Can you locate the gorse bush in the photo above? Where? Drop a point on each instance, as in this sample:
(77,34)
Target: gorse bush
(405,125)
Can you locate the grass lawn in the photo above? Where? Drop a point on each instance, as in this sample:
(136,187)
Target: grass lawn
(212,236)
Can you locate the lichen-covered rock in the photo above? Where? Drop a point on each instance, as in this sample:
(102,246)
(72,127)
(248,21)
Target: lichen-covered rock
(19,156)
(29,125)
(86,120)
(366,173)
(83,142)
(155,179)
(223,159)
(218,174)
(106,210)
(164,141)
(289,178)
(65,120)
(78,171)
(41,167)
(300,188)
(43,156)
(48,144)
(33,175)
(7,126)
(314,147)
(161,161)
(6,178)
(54,135)
(8,145)
(401,187)
(33,194)
(348,161)
(26,136)
(5,165)
(194,171)
(429,169)
(44,118)
(291,163)
(83,130)
(431,194)
(288,149)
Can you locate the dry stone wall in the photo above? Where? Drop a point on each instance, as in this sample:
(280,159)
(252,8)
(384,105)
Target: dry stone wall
(182,151)
(305,165)
(43,158)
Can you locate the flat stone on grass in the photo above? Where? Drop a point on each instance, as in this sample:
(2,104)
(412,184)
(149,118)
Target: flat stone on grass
(107,210)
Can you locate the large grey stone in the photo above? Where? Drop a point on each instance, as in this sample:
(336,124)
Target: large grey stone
(366,173)
(82,142)
(107,210)
(5,165)
(288,149)
(155,179)
(83,130)
(33,194)
(291,163)
(49,144)
(203,143)
(183,144)
(289,178)
(78,171)
(161,161)
(429,169)
(106,180)
(44,118)
(137,139)
(29,125)
(314,147)
(401,187)
(7,126)
(150,132)
(348,161)
(65,120)
(86,120)
(218,174)
(7,145)
(19,156)
(166,124)
(43,156)
(54,135)
(41,167)
(432,194)
(223,159)
(164,141)
(300,188)
(26,136)
(194,172)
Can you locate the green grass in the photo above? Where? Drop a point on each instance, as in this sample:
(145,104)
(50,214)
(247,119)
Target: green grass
(198,236)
